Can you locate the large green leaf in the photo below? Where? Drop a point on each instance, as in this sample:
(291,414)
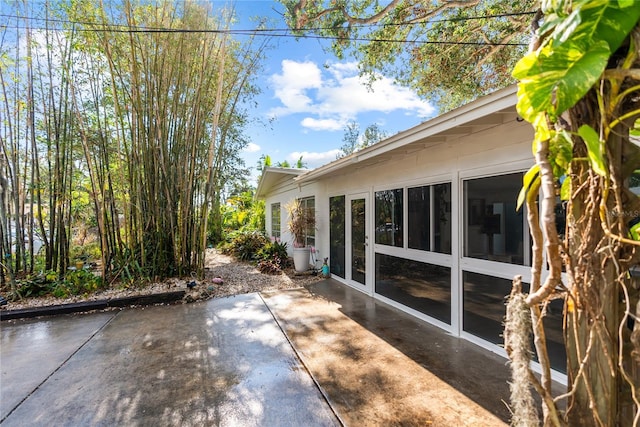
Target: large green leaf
(561,152)
(560,73)
(554,78)
(595,20)
(595,149)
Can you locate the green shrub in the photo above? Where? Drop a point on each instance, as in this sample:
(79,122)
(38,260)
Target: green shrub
(86,252)
(82,282)
(272,250)
(245,245)
(47,283)
(37,284)
(273,258)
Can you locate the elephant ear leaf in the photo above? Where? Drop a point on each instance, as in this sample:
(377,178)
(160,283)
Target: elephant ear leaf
(610,21)
(555,78)
(557,75)
(594,149)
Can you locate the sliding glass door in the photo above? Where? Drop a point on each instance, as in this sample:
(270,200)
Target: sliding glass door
(358,241)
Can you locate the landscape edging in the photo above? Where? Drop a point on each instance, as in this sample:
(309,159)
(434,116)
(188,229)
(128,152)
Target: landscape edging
(84,306)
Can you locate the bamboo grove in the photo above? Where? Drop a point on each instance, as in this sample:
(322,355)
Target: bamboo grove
(113,115)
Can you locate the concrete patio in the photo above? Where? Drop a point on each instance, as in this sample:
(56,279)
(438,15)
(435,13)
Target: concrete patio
(322,356)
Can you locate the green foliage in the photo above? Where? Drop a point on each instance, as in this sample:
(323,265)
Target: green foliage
(568,71)
(569,62)
(35,285)
(578,88)
(449,52)
(595,149)
(88,251)
(300,164)
(528,180)
(243,213)
(80,282)
(263,162)
(350,138)
(353,140)
(77,282)
(273,258)
(245,245)
(273,250)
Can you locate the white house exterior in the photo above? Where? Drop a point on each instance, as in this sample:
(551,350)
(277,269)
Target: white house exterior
(425,220)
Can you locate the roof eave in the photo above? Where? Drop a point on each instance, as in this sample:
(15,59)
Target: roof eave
(267,178)
(479,108)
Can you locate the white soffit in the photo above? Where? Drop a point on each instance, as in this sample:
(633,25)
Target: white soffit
(272,176)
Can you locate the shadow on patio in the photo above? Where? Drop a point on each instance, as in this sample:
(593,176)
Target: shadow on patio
(380,366)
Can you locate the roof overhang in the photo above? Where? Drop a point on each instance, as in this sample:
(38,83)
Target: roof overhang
(273,176)
(486,112)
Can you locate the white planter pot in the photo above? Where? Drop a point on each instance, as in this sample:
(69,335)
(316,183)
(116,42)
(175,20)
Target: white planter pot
(301,259)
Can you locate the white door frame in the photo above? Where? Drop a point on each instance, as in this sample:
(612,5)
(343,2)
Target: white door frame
(367,287)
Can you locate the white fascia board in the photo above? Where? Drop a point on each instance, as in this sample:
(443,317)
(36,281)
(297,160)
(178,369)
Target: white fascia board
(272,174)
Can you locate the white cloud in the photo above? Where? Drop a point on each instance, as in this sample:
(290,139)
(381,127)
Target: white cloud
(352,96)
(337,94)
(292,85)
(252,148)
(340,69)
(313,159)
(323,124)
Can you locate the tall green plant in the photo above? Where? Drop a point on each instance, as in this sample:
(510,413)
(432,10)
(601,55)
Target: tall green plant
(148,124)
(300,220)
(578,87)
(177,101)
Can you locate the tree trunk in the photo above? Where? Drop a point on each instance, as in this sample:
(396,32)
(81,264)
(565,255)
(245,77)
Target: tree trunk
(597,268)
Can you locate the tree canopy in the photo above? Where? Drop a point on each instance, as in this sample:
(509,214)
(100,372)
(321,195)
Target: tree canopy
(353,140)
(448,51)
(127,108)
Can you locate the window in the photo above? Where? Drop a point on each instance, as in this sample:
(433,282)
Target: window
(309,204)
(484,311)
(493,229)
(421,286)
(483,305)
(337,215)
(429,219)
(275,220)
(388,220)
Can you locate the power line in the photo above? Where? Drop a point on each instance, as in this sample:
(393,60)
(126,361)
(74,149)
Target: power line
(286,33)
(261,30)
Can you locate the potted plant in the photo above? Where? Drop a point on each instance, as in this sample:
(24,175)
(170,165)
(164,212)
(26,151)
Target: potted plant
(301,221)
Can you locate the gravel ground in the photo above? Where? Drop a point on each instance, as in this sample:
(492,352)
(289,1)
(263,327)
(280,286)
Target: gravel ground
(237,277)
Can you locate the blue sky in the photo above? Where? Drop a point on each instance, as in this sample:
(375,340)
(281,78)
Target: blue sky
(308,96)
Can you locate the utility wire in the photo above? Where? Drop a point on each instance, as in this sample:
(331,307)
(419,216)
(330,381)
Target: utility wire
(457,19)
(358,26)
(287,35)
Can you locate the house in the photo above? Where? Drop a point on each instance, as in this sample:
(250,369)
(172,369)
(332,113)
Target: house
(426,220)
